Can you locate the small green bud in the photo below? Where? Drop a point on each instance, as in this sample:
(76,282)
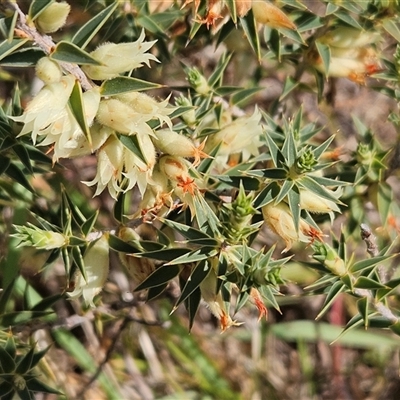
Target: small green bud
(198,81)
(325,254)
(31,235)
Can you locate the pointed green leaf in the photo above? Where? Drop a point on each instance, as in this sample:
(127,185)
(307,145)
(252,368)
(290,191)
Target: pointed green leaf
(395,328)
(346,17)
(195,255)
(311,184)
(250,29)
(7,362)
(132,143)
(34,385)
(243,95)
(363,309)
(18,176)
(123,84)
(325,53)
(86,33)
(25,363)
(70,53)
(294,205)
(20,317)
(7,26)
(38,6)
(78,260)
(166,254)
(47,302)
(185,230)
(335,290)
(88,225)
(367,283)
(159,277)
(289,85)
(284,191)
(192,305)
(216,76)
(78,110)
(155,291)
(118,244)
(368,263)
(268,194)
(198,275)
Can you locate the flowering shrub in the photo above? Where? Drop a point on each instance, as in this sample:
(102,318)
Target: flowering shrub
(213,183)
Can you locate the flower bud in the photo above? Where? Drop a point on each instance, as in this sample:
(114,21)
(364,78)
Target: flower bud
(110,163)
(280,219)
(242,7)
(316,204)
(119,58)
(121,117)
(53,17)
(215,301)
(96,262)
(189,116)
(267,14)
(242,133)
(176,144)
(48,70)
(349,38)
(31,235)
(198,82)
(176,169)
(147,106)
(328,257)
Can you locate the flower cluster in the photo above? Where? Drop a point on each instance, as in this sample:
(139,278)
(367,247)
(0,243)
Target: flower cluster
(352,54)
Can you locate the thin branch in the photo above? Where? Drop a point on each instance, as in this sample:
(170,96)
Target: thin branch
(45,42)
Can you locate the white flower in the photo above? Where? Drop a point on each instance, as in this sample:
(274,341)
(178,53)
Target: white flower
(122,118)
(96,262)
(47,112)
(110,163)
(177,144)
(71,137)
(119,58)
(148,107)
(280,219)
(240,136)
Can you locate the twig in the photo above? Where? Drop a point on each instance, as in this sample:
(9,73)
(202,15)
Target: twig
(372,249)
(45,42)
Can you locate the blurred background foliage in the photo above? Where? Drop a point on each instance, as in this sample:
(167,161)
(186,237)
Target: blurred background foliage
(325,78)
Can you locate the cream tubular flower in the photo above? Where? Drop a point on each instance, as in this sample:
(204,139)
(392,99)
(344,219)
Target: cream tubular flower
(109,167)
(176,144)
(119,58)
(148,107)
(280,220)
(267,14)
(316,204)
(47,109)
(71,141)
(215,301)
(349,38)
(122,118)
(96,261)
(136,170)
